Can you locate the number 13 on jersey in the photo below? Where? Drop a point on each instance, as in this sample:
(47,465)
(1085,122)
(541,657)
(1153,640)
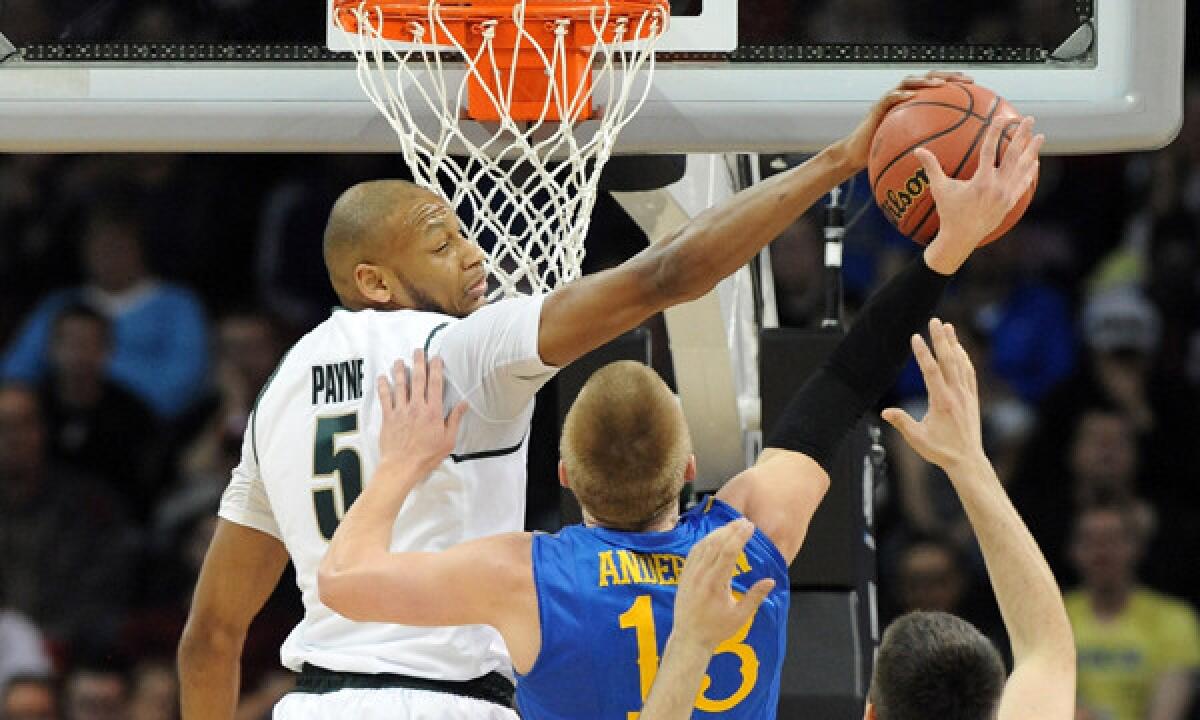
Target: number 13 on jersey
(640,618)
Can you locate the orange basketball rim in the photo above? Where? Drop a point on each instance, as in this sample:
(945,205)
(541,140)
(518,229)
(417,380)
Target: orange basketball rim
(529,60)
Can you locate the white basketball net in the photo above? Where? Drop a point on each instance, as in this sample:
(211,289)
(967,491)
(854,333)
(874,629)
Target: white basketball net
(530,189)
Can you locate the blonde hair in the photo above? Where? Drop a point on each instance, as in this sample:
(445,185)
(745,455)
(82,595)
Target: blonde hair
(625,446)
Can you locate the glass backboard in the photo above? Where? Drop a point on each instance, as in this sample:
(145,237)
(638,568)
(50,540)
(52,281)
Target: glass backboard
(775,75)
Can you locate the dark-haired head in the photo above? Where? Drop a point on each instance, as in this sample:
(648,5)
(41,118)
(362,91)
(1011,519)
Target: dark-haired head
(931,575)
(113,255)
(80,343)
(935,665)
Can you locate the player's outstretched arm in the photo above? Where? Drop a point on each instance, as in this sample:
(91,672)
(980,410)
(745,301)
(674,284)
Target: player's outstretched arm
(587,313)
(361,579)
(705,614)
(782,491)
(1042,684)
(241,569)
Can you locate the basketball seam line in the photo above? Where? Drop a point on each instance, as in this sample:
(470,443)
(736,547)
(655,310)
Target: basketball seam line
(967,114)
(936,103)
(978,136)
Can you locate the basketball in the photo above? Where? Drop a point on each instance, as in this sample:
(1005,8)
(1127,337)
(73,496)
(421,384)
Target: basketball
(950,121)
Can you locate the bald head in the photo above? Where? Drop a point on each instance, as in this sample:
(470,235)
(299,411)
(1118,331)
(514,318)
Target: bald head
(362,219)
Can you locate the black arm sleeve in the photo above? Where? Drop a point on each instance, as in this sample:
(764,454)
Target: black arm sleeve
(862,367)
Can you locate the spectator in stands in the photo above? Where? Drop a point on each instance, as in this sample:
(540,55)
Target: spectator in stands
(22,648)
(1022,334)
(155,691)
(29,697)
(1025,319)
(1103,457)
(94,424)
(1102,465)
(933,577)
(64,541)
(249,347)
(1174,265)
(97,691)
(1123,330)
(1153,454)
(292,282)
(29,254)
(152,631)
(1138,650)
(159,350)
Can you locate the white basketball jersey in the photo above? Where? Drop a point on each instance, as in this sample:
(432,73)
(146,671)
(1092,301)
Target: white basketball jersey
(313,441)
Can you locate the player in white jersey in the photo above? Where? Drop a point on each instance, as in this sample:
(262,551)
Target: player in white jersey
(409,279)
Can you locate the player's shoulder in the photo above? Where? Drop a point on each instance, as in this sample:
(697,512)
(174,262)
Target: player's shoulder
(513,545)
(565,546)
(504,559)
(407,321)
(566,536)
(368,333)
(713,513)
(503,313)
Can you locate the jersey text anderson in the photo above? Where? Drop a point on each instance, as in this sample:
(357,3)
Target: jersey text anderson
(622,567)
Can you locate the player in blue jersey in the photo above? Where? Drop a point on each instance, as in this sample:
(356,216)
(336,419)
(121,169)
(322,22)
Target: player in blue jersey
(930,664)
(585,613)
(706,612)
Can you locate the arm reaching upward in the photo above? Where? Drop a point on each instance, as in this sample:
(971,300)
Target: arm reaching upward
(587,313)
(782,491)
(1042,684)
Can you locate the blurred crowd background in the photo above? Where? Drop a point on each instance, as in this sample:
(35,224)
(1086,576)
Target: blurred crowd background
(145,299)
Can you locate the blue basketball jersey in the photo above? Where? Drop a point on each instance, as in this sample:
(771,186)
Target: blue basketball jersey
(605,601)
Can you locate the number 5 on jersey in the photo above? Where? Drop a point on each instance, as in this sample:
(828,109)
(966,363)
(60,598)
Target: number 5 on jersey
(342,464)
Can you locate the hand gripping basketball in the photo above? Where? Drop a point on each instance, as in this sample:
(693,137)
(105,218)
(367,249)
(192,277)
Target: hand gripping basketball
(857,144)
(952,121)
(971,210)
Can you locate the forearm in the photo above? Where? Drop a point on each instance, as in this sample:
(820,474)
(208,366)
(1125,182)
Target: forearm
(678,681)
(1025,589)
(366,530)
(209,674)
(725,237)
(862,367)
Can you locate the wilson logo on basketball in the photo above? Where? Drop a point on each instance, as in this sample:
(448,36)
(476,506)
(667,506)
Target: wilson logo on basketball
(898,203)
